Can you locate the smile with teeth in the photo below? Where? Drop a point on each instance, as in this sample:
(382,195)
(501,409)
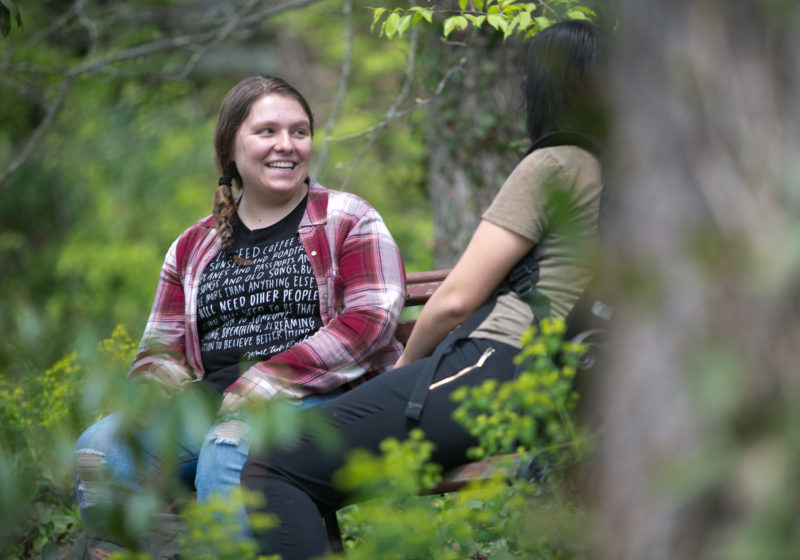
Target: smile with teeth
(281,164)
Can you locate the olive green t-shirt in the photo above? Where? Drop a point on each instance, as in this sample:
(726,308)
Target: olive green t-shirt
(551,198)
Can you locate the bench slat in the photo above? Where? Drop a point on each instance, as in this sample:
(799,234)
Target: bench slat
(420,285)
(458,477)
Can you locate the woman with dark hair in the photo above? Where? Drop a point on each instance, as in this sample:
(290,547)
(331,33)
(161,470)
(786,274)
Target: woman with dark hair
(290,290)
(542,225)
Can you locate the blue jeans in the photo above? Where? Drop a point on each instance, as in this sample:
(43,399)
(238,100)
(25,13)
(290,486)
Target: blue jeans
(109,460)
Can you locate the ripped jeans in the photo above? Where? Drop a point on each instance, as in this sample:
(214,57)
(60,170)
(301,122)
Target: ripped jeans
(108,462)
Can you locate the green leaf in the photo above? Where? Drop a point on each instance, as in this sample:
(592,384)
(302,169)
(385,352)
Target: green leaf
(377,13)
(498,22)
(525,20)
(477,21)
(508,6)
(425,13)
(5,21)
(585,10)
(391,24)
(453,22)
(7,10)
(462,4)
(576,14)
(478,4)
(543,22)
(509,29)
(402,27)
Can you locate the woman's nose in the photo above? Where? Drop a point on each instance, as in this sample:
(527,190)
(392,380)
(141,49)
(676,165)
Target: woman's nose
(284,141)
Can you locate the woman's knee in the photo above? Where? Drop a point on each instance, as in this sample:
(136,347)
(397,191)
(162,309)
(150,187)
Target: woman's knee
(221,458)
(94,445)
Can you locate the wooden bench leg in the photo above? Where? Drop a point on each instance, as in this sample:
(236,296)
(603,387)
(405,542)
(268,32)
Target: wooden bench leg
(334,534)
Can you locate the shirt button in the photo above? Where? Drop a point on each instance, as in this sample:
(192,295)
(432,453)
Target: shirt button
(313,253)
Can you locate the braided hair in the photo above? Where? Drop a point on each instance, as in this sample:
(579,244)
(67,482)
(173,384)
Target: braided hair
(234,111)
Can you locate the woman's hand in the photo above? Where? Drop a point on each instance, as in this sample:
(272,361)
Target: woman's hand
(231,403)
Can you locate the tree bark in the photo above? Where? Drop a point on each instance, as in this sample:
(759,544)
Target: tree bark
(475,132)
(701,378)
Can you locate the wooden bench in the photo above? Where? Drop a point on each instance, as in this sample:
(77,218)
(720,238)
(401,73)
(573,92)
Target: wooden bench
(419,288)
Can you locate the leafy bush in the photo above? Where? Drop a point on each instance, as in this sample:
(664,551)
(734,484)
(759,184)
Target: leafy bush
(41,418)
(397,523)
(534,411)
(488,519)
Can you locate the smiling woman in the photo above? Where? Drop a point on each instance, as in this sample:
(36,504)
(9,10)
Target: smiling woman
(290,290)
(273,150)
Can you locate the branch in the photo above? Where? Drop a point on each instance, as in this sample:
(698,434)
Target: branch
(391,114)
(91,27)
(59,22)
(52,111)
(232,24)
(408,110)
(344,79)
(275,10)
(200,43)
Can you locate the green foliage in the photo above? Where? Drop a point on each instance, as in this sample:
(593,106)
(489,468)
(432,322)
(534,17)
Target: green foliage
(41,419)
(504,16)
(532,412)
(36,419)
(207,531)
(9,10)
(393,521)
(211,525)
(32,411)
(481,521)
(491,518)
(119,177)
(391,174)
(401,469)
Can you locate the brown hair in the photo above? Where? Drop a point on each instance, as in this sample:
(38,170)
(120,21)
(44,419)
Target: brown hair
(233,112)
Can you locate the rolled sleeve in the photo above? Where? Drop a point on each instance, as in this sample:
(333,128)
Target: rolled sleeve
(161,354)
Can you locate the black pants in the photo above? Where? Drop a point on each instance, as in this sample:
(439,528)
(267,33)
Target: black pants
(297,484)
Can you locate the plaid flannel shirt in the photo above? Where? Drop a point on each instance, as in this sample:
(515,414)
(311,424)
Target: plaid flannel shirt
(361,283)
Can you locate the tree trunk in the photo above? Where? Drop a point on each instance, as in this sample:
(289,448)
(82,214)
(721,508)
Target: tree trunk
(702,377)
(474,132)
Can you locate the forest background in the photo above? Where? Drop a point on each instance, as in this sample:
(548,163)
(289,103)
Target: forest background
(107,111)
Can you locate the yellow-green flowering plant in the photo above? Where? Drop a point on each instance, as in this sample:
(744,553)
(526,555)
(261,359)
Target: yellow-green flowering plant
(534,411)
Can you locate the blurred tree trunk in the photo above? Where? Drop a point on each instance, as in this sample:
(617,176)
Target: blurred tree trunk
(474,132)
(700,392)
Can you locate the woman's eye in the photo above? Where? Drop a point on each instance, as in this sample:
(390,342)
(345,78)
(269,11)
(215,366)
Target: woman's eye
(266,131)
(301,132)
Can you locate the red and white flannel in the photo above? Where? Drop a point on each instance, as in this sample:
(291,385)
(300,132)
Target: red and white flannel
(361,283)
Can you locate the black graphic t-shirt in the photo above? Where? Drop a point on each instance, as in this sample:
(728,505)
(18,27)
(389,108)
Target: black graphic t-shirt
(256,299)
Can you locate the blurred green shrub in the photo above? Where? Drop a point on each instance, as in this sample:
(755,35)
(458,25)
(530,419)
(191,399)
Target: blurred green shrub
(499,518)
(41,417)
